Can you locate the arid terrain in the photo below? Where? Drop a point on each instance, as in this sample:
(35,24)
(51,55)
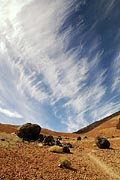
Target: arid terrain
(32,161)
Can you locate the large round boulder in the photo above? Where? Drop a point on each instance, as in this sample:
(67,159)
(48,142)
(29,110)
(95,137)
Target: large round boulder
(29,131)
(102,143)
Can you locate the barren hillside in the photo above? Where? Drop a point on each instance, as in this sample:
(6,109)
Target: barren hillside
(22,160)
(106,127)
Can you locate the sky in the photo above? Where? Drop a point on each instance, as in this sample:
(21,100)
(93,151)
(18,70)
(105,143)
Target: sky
(59,62)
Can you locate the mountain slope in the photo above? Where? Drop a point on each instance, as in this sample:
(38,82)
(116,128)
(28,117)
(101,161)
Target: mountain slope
(108,126)
(8,128)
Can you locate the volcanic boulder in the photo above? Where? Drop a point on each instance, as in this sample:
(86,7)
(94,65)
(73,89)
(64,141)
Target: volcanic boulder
(58,143)
(41,137)
(49,140)
(78,138)
(66,149)
(102,143)
(29,131)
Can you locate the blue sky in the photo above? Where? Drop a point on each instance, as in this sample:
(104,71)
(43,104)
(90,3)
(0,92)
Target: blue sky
(59,62)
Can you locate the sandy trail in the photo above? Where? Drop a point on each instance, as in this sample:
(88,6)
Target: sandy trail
(105,168)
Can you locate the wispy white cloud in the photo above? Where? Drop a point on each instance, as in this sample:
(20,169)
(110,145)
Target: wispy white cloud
(109,7)
(106,110)
(87,100)
(10,113)
(116,74)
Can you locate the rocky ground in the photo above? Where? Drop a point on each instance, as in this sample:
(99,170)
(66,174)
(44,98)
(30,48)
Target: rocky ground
(30,161)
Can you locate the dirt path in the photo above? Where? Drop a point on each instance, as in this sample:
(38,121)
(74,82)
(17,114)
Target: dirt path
(105,168)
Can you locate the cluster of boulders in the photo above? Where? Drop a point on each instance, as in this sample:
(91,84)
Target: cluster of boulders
(31,132)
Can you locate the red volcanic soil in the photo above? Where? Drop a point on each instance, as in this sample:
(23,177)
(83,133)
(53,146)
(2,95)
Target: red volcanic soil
(32,161)
(8,128)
